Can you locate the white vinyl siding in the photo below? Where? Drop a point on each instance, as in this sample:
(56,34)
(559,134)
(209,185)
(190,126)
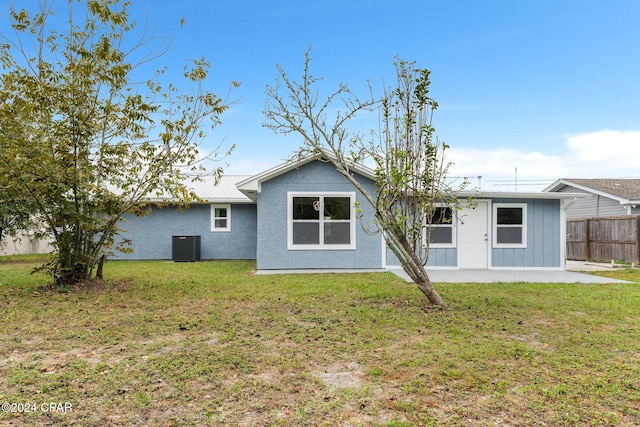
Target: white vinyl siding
(595,206)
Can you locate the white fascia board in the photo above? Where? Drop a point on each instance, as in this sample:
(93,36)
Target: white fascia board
(252,185)
(521,195)
(555,186)
(562,182)
(204,200)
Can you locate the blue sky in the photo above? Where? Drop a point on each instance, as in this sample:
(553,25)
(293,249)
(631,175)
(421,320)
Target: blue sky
(550,87)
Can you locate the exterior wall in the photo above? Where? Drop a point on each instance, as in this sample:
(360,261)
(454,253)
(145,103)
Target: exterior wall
(438,257)
(443,257)
(543,240)
(272,250)
(593,206)
(151,234)
(543,237)
(25,243)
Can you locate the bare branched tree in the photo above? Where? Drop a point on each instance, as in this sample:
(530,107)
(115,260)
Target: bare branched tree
(414,193)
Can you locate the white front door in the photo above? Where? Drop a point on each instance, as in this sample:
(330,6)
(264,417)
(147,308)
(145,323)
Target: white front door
(473,236)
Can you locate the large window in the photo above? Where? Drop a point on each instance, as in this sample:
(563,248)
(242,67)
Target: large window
(440,230)
(220,218)
(510,225)
(321,221)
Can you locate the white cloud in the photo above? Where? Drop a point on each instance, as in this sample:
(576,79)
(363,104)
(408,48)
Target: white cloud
(603,154)
(245,166)
(623,148)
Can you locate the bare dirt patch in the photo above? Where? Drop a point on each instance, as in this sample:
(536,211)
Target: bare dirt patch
(98,285)
(87,286)
(341,375)
(110,355)
(532,339)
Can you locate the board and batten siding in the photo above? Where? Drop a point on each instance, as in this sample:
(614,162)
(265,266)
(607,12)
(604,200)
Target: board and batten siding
(543,240)
(272,222)
(151,235)
(543,237)
(438,257)
(596,205)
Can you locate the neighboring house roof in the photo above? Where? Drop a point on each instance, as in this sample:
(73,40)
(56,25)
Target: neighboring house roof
(251,186)
(625,190)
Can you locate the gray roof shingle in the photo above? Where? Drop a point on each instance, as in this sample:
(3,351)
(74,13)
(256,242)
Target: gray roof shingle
(627,188)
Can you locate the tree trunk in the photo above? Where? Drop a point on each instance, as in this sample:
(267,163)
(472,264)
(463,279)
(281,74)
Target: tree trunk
(426,287)
(410,262)
(419,275)
(414,268)
(100,266)
(69,270)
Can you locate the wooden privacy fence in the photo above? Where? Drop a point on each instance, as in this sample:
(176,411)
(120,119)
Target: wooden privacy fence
(604,239)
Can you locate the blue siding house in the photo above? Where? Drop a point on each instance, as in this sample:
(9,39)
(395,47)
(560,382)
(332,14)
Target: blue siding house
(225,222)
(293,234)
(301,215)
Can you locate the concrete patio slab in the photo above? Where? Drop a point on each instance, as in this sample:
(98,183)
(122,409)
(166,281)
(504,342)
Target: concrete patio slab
(583,266)
(510,276)
(475,276)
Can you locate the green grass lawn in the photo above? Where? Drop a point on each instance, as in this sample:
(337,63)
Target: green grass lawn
(210,343)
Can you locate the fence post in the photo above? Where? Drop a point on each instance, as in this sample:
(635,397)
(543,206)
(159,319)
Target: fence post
(587,249)
(637,224)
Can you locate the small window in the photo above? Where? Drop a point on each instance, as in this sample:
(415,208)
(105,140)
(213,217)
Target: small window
(510,225)
(220,218)
(440,229)
(321,221)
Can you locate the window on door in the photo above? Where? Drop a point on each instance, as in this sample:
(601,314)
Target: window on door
(510,225)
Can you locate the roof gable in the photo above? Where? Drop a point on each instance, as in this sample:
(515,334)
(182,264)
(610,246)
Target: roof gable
(625,190)
(252,185)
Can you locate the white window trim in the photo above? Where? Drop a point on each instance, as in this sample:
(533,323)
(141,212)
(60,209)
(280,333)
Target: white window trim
(453,226)
(523,206)
(321,246)
(213,218)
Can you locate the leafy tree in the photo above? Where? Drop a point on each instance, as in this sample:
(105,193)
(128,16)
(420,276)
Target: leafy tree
(83,137)
(15,215)
(413,188)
